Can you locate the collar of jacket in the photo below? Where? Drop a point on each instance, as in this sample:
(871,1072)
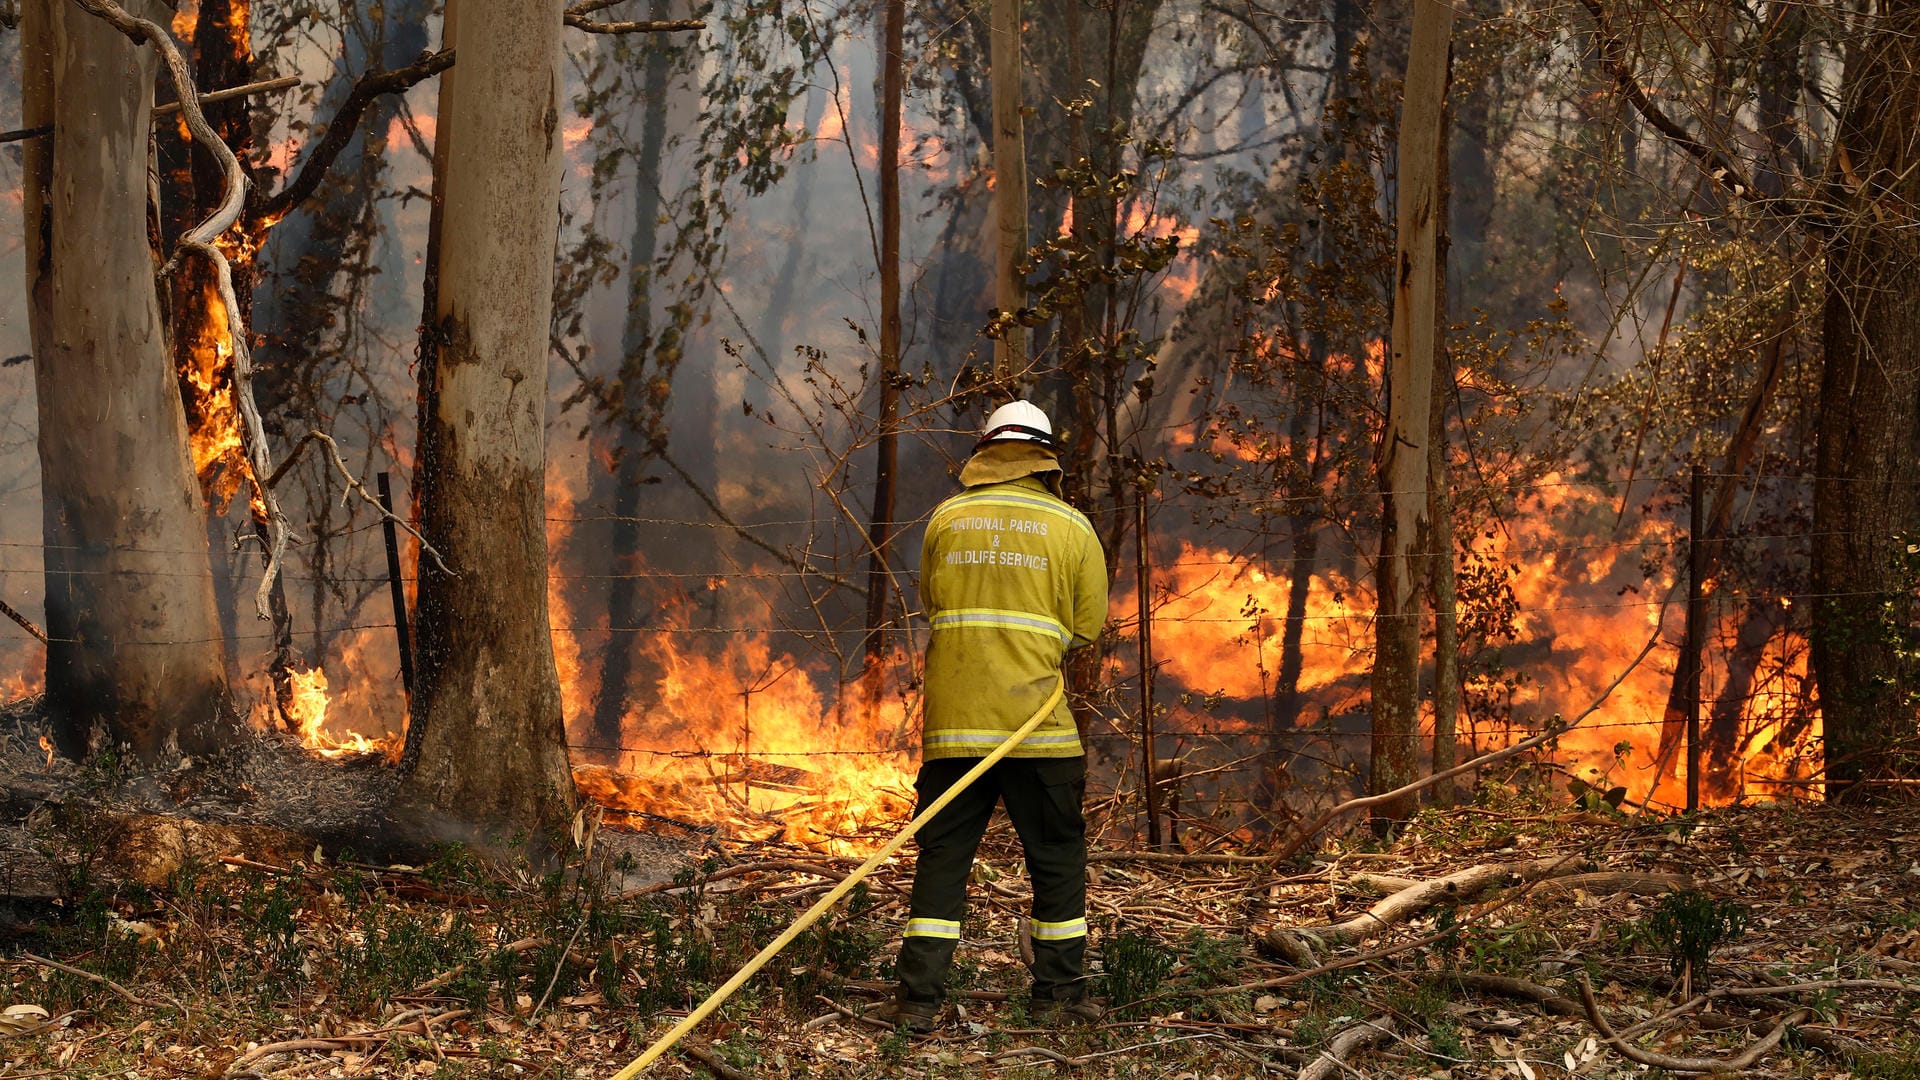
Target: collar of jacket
(997,463)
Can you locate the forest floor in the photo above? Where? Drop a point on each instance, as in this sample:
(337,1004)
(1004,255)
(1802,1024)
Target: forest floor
(1766,941)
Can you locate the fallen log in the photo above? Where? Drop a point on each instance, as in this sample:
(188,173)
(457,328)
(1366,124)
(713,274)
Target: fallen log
(1301,945)
(1611,883)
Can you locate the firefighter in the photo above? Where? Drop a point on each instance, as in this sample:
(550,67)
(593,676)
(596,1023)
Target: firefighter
(1011,578)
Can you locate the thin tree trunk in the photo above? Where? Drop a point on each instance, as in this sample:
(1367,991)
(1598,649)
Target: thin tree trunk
(1418,306)
(880,531)
(1866,505)
(136,653)
(639,425)
(1721,772)
(1739,454)
(1446,620)
(1009,188)
(487,747)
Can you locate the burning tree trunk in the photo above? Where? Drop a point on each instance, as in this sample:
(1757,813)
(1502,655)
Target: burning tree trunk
(136,647)
(1009,189)
(1418,307)
(1866,506)
(893,87)
(487,748)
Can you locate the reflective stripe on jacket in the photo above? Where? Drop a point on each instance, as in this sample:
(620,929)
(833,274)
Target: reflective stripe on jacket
(1011,577)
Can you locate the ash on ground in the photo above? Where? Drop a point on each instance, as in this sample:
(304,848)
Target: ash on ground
(266,797)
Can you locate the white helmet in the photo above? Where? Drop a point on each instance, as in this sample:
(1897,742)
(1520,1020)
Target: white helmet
(1018,421)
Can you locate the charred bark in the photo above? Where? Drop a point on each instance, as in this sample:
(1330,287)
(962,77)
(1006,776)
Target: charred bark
(1866,505)
(486,751)
(135,650)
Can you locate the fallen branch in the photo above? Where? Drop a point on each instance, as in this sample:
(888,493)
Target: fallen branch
(1368,802)
(1507,986)
(772,866)
(201,240)
(422,1027)
(703,1052)
(101,980)
(1610,883)
(1298,945)
(1170,858)
(1333,1060)
(1743,1060)
(452,973)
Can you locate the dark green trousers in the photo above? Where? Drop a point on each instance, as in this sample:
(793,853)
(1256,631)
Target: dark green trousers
(1043,798)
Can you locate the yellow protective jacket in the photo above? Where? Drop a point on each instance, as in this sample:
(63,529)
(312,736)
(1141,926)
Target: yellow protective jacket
(1011,577)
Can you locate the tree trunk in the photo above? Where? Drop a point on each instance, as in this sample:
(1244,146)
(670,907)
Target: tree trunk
(893,87)
(1009,189)
(640,432)
(1418,307)
(1865,503)
(1446,620)
(136,650)
(486,751)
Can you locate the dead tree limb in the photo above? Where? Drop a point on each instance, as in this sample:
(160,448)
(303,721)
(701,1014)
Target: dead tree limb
(1507,986)
(1719,167)
(1737,1063)
(1610,883)
(118,990)
(1553,731)
(214,97)
(702,1051)
(201,240)
(1333,1060)
(341,127)
(7,609)
(645,26)
(355,487)
(1300,945)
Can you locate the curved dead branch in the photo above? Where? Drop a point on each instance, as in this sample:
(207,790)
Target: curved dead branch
(1639,1055)
(1333,1060)
(1300,945)
(201,240)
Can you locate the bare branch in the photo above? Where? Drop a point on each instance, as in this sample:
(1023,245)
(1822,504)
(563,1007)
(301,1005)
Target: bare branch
(341,128)
(200,240)
(215,97)
(355,487)
(647,26)
(212,98)
(1718,167)
(7,610)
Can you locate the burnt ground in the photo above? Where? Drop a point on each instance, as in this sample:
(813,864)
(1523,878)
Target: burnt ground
(1804,921)
(266,795)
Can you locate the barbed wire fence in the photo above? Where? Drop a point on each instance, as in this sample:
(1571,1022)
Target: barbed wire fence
(1236,768)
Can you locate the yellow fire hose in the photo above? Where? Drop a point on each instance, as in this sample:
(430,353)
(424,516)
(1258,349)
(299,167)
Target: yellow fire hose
(826,902)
